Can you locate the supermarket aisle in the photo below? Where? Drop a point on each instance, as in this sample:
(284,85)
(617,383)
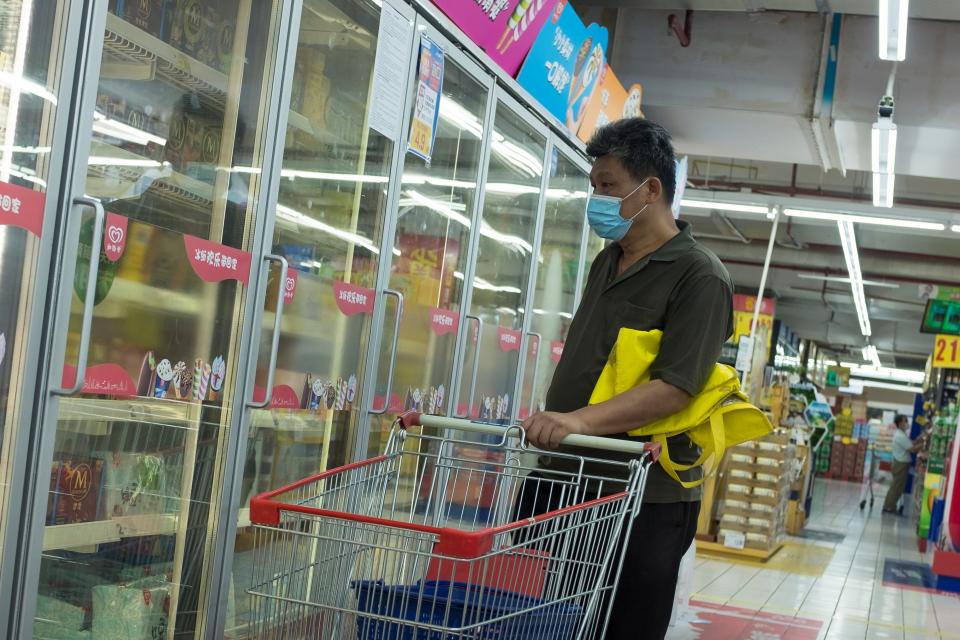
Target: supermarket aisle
(830,588)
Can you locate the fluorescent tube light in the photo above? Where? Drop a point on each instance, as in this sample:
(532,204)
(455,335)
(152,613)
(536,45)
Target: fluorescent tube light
(850,217)
(884,146)
(883,189)
(893,29)
(889,385)
(888,373)
(955,228)
(724,206)
(868,283)
(849,242)
(869,353)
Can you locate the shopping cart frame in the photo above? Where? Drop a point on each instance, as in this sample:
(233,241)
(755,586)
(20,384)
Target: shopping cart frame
(463,546)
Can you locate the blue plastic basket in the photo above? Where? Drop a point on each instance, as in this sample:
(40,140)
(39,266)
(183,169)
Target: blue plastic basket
(455,605)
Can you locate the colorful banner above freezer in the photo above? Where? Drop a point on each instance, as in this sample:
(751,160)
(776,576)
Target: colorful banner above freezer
(505,29)
(564,65)
(553,55)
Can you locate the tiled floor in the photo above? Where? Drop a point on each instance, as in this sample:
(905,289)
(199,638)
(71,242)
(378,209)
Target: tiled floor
(846,600)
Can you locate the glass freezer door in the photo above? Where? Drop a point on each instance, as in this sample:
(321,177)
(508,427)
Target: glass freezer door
(153,315)
(331,212)
(504,259)
(561,244)
(435,214)
(33,37)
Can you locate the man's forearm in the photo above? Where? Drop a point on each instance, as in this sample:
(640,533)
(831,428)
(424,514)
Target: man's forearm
(635,408)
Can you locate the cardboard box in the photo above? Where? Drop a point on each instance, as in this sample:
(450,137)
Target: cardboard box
(148,15)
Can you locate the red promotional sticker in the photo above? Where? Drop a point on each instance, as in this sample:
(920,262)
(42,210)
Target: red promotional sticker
(103,380)
(289,286)
(444,321)
(352,299)
(556,350)
(509,339)
(214,262)
(21,207)
(284,397)
(115,236)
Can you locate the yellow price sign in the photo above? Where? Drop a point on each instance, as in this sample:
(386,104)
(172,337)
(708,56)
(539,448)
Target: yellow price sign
(946,352)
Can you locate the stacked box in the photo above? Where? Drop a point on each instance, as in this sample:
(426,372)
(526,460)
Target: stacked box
(756,490)
(143,118)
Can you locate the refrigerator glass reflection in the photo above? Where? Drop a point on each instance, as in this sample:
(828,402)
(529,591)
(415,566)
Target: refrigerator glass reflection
(330,216)
(175,157)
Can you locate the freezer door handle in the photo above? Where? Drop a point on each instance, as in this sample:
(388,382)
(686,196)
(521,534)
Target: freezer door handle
(86,326)
(398,316)
(476,367)
(536,370)
(275,343)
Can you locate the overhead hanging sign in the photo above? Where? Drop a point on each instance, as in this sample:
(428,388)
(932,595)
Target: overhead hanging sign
(606,105)
(423,127)
(505,29)
(937,292)
(565,64)
(838,377)
(941,317)
(946,352)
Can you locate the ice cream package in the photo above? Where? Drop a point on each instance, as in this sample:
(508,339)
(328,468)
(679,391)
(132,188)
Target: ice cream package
(134,483)
(134,611)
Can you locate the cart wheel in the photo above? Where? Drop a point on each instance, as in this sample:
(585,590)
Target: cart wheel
(871,503)
(863,503)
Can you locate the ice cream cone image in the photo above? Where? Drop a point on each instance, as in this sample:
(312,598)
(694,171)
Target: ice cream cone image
(204,382)
(218,373)
(351,390)
(145,380)
(164,375)
(197,373)
(179,370)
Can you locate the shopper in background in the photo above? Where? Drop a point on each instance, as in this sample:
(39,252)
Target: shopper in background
(653,275)
(902,447)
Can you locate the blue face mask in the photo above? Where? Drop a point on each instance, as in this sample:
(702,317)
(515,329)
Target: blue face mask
(603,214)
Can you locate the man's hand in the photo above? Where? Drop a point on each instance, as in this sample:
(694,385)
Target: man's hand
(547,428)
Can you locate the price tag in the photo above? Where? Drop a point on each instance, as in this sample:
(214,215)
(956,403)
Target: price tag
(946,352)
(734,539)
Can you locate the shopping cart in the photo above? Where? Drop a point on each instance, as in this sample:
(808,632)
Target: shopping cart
(433,541)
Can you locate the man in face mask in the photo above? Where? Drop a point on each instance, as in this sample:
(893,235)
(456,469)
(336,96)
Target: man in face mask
(652,275)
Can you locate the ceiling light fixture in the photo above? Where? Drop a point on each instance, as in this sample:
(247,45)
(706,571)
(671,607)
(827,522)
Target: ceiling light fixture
(893,29)
(883,184)
(892,386)
(867,283)
(874,220)
(849,242)
(725,206)
(955,228)
(870,354)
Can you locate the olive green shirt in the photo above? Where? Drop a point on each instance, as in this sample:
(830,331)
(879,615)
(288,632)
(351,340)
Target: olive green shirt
(684,290)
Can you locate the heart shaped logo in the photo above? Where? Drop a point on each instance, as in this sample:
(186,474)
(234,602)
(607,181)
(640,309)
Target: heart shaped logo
(290,284)
(115,234)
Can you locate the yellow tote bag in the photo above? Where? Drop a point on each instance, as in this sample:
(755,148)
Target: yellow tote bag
(717,418)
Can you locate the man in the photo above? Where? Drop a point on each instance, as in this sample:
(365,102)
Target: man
(653,275)
(903,446)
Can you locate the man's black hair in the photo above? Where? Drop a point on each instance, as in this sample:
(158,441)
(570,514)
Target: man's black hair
(901,418)
(644,148)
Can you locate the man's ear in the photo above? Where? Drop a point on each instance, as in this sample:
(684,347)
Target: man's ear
(654,190)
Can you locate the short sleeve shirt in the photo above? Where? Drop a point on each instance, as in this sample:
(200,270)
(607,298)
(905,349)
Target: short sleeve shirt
(684,290)
(901,446)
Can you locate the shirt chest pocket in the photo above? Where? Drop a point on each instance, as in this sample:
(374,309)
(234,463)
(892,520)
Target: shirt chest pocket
(631,316)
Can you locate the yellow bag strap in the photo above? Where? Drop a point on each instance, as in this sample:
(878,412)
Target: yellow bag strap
(718,435)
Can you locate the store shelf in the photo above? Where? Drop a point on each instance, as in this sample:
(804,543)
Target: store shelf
(327,136)
(113,182)
(84,534)
(126,43)
(93,416)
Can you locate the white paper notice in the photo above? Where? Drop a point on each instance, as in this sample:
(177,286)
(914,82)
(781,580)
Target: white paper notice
(734,540)
(394,39)
(744,353)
